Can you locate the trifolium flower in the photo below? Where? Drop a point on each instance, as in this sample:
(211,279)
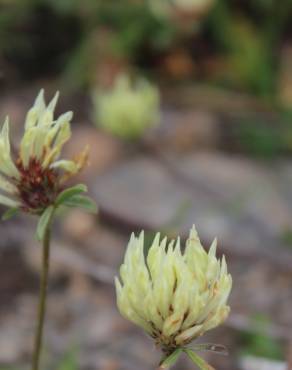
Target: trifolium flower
(128,108)
(174,296)
(180,8)
(35,177)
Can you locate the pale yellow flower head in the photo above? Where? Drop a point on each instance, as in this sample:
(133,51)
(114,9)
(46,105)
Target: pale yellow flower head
(128,108)
(175,297)
(34,178)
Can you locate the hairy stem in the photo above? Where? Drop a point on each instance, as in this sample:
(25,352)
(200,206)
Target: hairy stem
(42,298)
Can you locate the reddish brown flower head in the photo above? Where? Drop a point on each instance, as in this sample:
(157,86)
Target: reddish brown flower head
(37,187)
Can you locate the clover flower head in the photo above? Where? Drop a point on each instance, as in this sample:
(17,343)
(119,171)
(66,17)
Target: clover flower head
(174,296)
(33,179)
(168,8)
(128,108)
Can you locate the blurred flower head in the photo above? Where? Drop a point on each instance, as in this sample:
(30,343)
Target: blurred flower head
(128,108)
(175,297)
(33,181)
(184,9)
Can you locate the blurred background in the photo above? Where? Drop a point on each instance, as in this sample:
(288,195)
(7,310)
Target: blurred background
(187,108)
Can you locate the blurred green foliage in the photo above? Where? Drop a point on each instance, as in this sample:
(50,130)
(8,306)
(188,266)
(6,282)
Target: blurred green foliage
(264,138)
(286,237)
(69,38)
(238,45)
(258,343)
(69,361)
(34,39)
(259,140)
(250,35)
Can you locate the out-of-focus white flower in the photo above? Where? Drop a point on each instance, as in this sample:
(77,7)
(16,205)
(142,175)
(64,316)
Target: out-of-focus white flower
(168,8)
(127,109)
(34,179)
(175,297)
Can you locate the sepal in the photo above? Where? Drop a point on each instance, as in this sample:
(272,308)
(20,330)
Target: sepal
(170,360)
(67,194)
(81,201)
(197,360)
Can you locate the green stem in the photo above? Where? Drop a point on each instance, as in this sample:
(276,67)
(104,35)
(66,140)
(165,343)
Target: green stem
(42,298)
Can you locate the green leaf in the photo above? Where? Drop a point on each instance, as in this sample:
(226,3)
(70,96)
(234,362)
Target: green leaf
(44,221)
(82,201)
(69,193)
(171,359)
(197,360)
(11,212)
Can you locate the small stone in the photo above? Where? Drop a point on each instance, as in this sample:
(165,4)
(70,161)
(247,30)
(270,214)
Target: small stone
(78,224)
(140,193)
(256,363)
(182,131)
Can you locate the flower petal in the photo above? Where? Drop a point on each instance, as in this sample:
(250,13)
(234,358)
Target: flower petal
(66,165)
(27,145)
(7,186)
(6,164)
(9,202)
(36,111)
(53,102)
